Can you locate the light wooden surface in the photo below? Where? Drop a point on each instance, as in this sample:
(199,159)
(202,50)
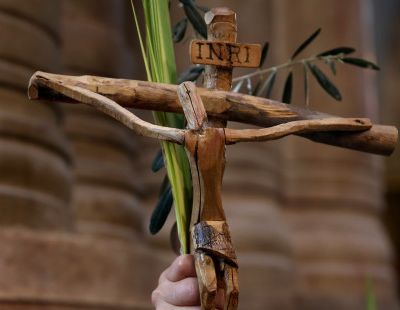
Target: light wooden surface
(379,139)
(298,127)
(220,53)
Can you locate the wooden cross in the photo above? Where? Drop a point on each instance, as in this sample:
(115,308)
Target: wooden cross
(206,136)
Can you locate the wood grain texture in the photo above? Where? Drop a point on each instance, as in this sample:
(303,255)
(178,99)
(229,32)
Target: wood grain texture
(221,26)
(122,115)
(379,139)
(207,279)
(210,238)
(208,149)
(223,54)
(192,105)
(296,127)
(213,237)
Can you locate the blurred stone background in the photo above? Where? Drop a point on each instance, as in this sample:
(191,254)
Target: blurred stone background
(315,226)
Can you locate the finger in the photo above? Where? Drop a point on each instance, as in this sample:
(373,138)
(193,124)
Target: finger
(162,305)
(181,268)
(181,293)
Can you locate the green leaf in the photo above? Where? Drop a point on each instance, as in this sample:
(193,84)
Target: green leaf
(360,63)
(159,53)
(195,18)
(271,83)
(370,296)
(238,86)
(332,66)
(324,82)
(287,90)
(158,161)
(191,74)
(306,88)
(179,30)
(337,51)
(264,53)
(161,211)
(186,2)
(306,43)
(249,86)
(265,88)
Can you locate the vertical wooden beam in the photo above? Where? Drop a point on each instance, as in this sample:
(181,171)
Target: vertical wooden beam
(221,26)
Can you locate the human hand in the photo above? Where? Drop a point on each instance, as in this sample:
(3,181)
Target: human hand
(177,286)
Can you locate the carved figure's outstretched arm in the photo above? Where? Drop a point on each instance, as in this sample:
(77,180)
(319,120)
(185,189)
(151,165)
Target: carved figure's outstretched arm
(121,114)
(296,127)
(378,139)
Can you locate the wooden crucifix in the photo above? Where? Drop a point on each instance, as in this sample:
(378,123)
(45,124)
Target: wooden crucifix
(205,137)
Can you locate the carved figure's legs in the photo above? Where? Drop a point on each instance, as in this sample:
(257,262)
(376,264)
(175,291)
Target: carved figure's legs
(216,265)
(207,277)
(232,287)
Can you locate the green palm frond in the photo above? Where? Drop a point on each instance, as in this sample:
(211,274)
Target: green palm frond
(159,58)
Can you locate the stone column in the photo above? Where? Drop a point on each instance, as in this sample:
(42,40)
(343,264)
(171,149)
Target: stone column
(259,233)
(388,48)
(35,178)
(106,193)
(333,196)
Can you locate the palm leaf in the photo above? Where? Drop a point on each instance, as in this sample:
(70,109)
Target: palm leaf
(370,296)
(158,162)
(161,211)
(161,67)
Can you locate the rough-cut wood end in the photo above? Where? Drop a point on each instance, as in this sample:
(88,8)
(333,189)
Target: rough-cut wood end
(379,139)
(220,14)
(38,87)
(33,91)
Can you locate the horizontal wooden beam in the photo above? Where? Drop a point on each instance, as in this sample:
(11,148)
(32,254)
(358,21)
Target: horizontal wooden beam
(230,106)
